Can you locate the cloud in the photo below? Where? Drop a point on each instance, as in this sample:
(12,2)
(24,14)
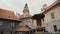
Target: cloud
(18,5)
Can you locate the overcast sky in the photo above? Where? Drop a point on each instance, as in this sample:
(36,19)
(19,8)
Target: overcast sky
(18,5)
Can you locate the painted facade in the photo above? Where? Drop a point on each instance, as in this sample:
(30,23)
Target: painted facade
(52,18)
(8,22)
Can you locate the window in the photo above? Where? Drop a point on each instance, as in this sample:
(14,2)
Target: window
(55,28)
(31,20)
(22,24)
(52,15)
(12,24)
(24,20)
(0,22)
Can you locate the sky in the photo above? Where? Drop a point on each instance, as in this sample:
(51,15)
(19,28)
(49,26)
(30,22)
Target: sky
(17,6)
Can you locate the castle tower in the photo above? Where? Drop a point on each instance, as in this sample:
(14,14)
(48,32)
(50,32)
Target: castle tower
(25,12)
(26,9)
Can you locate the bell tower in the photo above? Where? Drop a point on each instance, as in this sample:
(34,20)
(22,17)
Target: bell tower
(26,9)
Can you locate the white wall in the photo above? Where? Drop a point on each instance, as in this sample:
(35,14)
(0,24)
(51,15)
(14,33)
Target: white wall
(50,28)
(48,22)
(28,21)
(32,25)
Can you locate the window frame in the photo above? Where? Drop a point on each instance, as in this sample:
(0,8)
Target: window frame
(1,22)
(52,15)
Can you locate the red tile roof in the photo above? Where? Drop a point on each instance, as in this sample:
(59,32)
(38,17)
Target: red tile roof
(6,14)
(55,4)
(23,29)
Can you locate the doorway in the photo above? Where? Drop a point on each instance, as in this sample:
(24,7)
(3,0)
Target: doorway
(55,28)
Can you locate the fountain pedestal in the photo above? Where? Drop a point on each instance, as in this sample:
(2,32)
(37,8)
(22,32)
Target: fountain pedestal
(40,30)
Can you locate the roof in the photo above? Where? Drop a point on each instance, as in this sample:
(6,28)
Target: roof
(53,5)
(6,14)
(25,15)
(23,29)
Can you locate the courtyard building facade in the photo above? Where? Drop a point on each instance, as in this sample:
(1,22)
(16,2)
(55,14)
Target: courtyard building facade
(13,24)
(52,18)
(8,22)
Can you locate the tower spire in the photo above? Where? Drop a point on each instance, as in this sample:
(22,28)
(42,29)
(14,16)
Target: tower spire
(26,9)
(26,4)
